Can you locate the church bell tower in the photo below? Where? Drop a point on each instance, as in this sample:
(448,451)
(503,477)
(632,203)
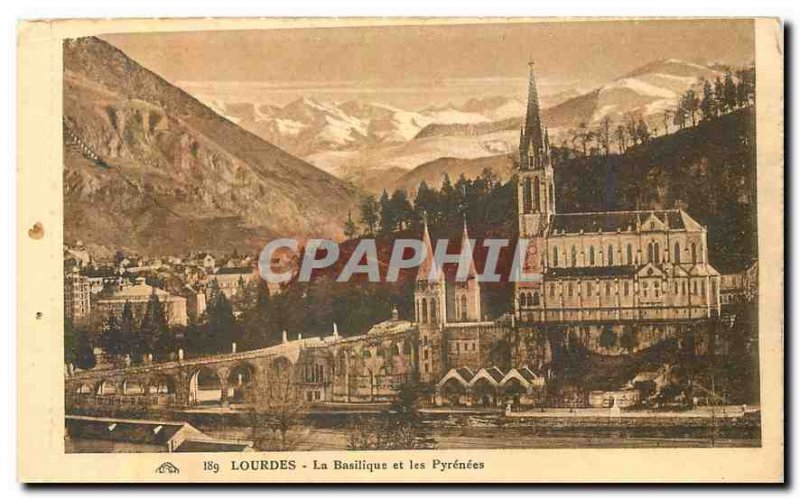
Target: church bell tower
(535,206)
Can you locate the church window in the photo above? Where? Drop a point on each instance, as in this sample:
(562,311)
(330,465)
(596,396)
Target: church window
(608,289)
(591,255)
(574,257)
(426,354)
(657,253)
(629,254)
(526,196)
(627,288)
(523,300)
(536,199)
(650,253)
(675,288)
(677,256)
(588,289)
(555,256)
(694,253)
(424,317)
(683,290)
(694,287)
(552,289)
(463,307)
(610,254)
(434,315)
(702,287)
(552,198)
(536,298)
(569,290)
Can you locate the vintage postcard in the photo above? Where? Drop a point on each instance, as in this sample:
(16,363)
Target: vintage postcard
(408,250)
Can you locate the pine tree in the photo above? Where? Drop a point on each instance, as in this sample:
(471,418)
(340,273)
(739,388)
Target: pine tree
(129,338)
(350,229)
(154,331)
(729,92)
(708,104)
(370,213)
(222,327)
(110,340)
(388,215)
(402,209)
(258,329)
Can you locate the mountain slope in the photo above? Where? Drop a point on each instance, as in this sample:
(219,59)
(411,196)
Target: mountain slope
(180,175)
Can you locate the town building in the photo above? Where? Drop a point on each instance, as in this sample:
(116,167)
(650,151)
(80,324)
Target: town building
(77,295)
(138,295)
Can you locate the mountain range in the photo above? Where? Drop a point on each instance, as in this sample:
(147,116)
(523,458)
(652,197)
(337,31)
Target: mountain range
(374,145)
(150,169)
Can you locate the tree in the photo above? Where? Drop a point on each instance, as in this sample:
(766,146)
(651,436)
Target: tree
(426,203)
(604,134)
(401,427)
(258,331)
(402,209)
(130,341)
(370,213)
(629,339)
(691,104)
(621,136)
(154,331)
(388,214)
(666,115)
(222,327)
(278,406)
(679,119)
(78,349)
(608,338)
(110,338)
(729,93)
(708,106)
(350,229)
(642,131)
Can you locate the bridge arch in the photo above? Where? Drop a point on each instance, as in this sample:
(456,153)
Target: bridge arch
(161,384)
(105,387)
(132,387)
(241,377)
(84,389)
(205,387)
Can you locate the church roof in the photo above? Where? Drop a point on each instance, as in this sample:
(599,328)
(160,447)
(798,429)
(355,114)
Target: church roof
(623,221)
(589,272)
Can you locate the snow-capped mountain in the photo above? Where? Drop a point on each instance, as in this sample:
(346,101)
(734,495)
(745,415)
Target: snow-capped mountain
(649,90)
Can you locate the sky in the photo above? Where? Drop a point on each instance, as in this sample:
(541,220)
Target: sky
(417,66)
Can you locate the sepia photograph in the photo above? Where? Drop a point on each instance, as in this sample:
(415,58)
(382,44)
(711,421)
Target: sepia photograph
(457,236)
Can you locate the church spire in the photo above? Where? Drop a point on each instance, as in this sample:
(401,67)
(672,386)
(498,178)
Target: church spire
(428,262)
(532,140)
(466,243)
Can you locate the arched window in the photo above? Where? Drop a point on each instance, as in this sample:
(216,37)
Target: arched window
(555,256)
(463,308)
(424,317)
(536,299)
(629,255)
(610,255)
(657,253)
(608,289)
(591,255)
(552,198)
(552,289)
(588,289)
(536,196)
(676,258)
(523,300)
(434,310)
(569,290)
(526,196)
(694,253)
(627,288)
(574,257)
(650,252)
